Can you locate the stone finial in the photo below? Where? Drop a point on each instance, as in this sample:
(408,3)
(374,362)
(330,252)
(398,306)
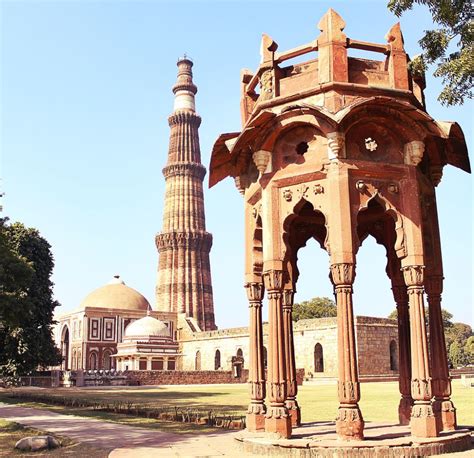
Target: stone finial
(395,38)
(413,152)
(261,159)
(267,48)
(331,26)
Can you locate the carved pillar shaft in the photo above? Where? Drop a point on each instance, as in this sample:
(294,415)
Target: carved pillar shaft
(404,365)
(349,421)
(292,387)
(277,419)
(423,423)
(443,407)
(256,409)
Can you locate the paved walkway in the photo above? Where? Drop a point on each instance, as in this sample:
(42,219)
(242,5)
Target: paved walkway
(122,440)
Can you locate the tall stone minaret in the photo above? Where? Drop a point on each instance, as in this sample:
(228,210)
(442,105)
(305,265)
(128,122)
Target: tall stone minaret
(184,273)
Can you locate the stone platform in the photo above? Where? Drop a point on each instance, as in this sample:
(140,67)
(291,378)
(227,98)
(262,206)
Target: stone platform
(381,440)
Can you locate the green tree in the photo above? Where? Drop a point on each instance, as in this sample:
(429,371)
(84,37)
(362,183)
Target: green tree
(446,317)
(318,307)
(449,46)
(15,276)
(26,314)
(456,355)
(469,350)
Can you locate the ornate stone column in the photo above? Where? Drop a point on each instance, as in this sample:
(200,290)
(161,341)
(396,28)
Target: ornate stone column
(256,409)
(404,366)
(443,407)
(292,387)
(349,421)
(277,419)
(423,422)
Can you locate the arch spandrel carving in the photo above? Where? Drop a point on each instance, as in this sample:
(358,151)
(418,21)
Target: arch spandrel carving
(386,194)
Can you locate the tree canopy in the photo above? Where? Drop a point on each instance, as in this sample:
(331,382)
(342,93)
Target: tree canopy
(26,301)
(449,46)
(318,307)
(459,338)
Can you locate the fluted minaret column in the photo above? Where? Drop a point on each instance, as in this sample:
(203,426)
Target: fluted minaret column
(184,274)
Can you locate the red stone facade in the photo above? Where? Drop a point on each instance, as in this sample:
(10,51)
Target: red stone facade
(338,149)
(192,377)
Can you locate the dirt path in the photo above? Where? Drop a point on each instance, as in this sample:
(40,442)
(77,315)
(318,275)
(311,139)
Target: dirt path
(122,440)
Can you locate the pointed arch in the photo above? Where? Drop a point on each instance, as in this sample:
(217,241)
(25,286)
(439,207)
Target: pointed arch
(377,198)
(217,360)
(318,358)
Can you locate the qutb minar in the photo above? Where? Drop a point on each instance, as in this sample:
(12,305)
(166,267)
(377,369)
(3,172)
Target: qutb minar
(184,274)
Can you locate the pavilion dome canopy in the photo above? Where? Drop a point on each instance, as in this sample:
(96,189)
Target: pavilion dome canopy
(147,327)
(116,295)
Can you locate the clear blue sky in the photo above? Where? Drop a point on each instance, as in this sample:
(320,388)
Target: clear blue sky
(85,95)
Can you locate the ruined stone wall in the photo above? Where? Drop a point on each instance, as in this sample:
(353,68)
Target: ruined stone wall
(192,377)
(307,334)
(184,377)
(373,345)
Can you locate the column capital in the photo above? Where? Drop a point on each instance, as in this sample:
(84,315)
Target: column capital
(400,295)
(434,284)
(343,274)
(413,275)
(273,280)
(287,298)
(254,291)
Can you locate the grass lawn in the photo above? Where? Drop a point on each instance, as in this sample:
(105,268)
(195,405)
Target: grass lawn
(11,432)
(318,402)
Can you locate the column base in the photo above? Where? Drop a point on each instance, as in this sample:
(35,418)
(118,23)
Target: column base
(445,414)
(278,422)
(349,423)
(423,421)
(404,410)
(294,411)
(255,422)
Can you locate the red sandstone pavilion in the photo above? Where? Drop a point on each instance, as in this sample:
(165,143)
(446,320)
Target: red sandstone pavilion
(339,148)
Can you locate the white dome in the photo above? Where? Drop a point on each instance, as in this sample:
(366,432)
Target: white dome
(147,327)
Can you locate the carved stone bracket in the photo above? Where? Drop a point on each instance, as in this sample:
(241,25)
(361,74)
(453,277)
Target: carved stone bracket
(413,152)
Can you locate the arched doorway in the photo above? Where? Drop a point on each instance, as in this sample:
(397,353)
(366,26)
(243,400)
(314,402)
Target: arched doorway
(107,360)
(197,361)
(217,360)
(65,348)
(393,356)
(318,358)
(93,360)
(240,354)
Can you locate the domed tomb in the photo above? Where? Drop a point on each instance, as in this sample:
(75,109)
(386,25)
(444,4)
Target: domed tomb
(147,344)
(146,328)
(116,295)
